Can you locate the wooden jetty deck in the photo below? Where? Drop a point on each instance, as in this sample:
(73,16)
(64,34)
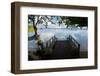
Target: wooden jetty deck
(63,50)
(60,49)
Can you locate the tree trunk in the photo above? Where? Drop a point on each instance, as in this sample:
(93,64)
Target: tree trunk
(34,26)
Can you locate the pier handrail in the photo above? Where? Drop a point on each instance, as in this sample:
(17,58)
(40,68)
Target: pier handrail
(50,42)
(74,42)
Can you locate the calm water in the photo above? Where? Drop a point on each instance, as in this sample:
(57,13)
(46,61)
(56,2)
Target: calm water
(80,35)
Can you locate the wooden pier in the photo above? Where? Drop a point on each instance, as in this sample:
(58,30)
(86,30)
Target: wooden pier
(60,49)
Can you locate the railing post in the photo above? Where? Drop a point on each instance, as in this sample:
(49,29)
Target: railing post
(70,38)
(79,49)
(46,44)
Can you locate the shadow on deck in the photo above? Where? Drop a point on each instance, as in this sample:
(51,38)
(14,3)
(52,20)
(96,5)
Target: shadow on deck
(64,50)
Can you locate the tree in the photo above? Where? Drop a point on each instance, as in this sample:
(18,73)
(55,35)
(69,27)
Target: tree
(65,20)
(72,21)
(32,18)
(37,19)
(81,21)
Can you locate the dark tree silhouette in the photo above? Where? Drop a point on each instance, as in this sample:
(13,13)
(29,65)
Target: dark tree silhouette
(82,21)
(71,21)
(32,18)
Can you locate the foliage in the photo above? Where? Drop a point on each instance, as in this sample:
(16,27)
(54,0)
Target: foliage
(81,21)
(30,29)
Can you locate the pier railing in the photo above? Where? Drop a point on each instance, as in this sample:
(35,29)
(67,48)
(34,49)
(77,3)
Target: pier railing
(74,43)
(50,43)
